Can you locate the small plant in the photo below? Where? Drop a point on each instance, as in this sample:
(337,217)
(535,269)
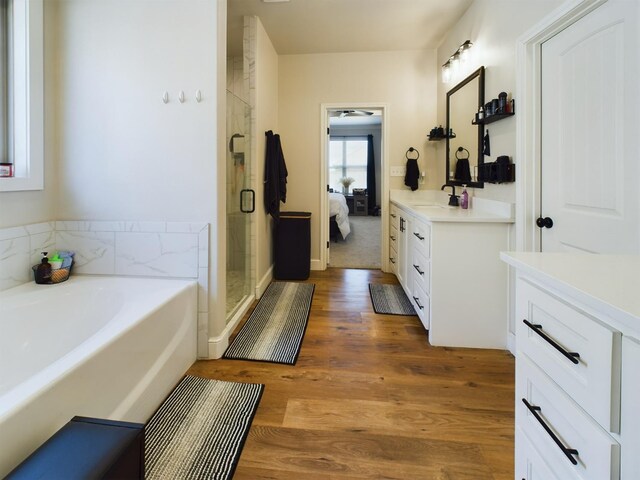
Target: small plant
(346,182)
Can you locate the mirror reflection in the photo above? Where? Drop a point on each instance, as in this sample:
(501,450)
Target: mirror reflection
(464,146)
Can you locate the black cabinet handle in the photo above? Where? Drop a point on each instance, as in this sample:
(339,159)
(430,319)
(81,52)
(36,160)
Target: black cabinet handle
(393,215)
(573,356)
(401,224)
(421,307)
(569,452)
(392,260)
(418,235)
(545,222)
(392,238)
(417,267)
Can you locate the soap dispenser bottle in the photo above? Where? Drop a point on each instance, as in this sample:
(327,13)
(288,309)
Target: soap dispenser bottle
(43,272)
(464,198)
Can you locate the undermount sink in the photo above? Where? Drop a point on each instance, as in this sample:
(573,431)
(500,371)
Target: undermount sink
(427,205)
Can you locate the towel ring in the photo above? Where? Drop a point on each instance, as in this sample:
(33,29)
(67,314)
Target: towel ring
(460,149)
(411,149)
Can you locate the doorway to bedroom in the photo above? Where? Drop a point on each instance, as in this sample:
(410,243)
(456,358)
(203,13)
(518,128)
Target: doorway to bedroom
(354,179)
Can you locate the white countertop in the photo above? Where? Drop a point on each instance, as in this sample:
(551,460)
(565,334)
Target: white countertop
(608,283)
(432,206)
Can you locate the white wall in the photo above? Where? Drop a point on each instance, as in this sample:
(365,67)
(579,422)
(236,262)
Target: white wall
(493,26)
(404,80)
(265,102)
(121,153)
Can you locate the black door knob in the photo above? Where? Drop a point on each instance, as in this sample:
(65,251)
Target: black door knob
(545,222)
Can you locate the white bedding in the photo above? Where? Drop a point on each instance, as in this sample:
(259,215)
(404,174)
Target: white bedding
(338,207)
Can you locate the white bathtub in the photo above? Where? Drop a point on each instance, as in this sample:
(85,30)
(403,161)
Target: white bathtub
(108,347)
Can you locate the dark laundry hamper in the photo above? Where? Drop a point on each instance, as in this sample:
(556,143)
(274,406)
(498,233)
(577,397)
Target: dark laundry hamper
(292,246)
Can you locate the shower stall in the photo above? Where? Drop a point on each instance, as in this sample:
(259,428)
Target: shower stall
(240,198)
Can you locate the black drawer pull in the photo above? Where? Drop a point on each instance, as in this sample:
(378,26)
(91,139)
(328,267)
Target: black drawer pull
(569,452)
(421,307)
(392,260)
(418,269)
(418,235)
(573,356)
(392,238)
(393,215)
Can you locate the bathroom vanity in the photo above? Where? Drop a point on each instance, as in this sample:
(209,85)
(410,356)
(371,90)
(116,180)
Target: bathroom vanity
(577,360)
(447,261)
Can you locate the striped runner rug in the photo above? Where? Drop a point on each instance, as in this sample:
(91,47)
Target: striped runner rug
(199,430)
(274,331)
(390,300)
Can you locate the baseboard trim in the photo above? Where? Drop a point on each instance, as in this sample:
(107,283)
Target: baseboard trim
(218,345)
(511,343)
(316,264)
(264,282)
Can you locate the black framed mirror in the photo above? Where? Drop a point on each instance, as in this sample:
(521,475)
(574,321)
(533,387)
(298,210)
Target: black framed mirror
(464,141)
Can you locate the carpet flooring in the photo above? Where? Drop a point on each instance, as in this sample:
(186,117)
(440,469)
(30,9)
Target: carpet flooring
(362,247)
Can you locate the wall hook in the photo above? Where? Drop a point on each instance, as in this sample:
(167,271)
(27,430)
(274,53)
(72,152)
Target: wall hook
(198,96)
(165,97)
(181,96)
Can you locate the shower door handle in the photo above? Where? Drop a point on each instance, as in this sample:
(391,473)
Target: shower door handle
(243,194)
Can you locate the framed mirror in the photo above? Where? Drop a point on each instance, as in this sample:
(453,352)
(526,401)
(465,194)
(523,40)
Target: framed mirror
(464,141)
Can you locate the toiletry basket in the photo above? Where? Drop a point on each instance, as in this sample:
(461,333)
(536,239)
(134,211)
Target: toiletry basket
(58,275)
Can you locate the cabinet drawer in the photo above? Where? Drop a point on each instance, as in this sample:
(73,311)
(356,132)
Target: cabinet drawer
(421,270)
(421,237)
(596,455)
(420,300)
(393,238)
(551,332)
(529,463)
(394,216)
(393,261)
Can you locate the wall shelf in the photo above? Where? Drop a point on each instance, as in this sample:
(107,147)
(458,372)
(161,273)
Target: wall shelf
(440,137)
(496,116)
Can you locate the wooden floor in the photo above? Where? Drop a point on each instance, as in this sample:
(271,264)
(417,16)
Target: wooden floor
(370,398)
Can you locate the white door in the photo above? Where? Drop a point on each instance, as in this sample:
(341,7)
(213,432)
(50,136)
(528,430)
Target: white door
(590,134)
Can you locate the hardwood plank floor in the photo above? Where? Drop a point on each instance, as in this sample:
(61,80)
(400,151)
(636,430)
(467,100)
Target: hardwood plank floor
(370,398)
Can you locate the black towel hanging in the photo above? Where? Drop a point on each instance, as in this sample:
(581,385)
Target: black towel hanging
(486,144)
(463,170)
(412,174)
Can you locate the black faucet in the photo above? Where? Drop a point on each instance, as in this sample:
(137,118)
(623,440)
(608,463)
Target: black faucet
(453,198)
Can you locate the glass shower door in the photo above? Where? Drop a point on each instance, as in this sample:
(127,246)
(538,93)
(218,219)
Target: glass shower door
(240,199)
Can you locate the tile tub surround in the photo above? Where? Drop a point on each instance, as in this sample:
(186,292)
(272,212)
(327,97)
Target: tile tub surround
(146,249)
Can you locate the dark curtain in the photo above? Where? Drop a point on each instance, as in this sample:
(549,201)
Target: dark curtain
(371,175)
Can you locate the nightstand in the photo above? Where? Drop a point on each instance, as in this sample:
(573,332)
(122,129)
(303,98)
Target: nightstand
(360,205)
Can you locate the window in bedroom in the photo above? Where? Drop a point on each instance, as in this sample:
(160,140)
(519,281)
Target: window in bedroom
(21,95)
(348,158)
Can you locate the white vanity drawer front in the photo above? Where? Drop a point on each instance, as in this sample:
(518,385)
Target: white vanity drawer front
(420,300)
(393,261)
(595,453)
(593,378)
(394,216)
(393,238)
(421,237)
(529,463)
(421,270)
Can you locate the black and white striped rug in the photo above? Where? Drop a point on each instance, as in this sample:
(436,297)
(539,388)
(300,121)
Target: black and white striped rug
(274,331)
(199,430)
(390,300)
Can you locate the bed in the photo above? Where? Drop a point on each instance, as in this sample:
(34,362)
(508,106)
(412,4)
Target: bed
(338,216)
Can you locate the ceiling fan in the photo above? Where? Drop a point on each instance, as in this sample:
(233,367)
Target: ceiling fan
(350,113)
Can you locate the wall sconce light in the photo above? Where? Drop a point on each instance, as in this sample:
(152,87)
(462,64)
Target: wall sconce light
(461,55)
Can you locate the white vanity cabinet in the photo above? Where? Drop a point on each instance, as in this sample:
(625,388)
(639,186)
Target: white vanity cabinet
(449,266)
(394,222)
(577,363)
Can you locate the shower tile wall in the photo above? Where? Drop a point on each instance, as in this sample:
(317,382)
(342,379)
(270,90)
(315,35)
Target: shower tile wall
(150,249)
